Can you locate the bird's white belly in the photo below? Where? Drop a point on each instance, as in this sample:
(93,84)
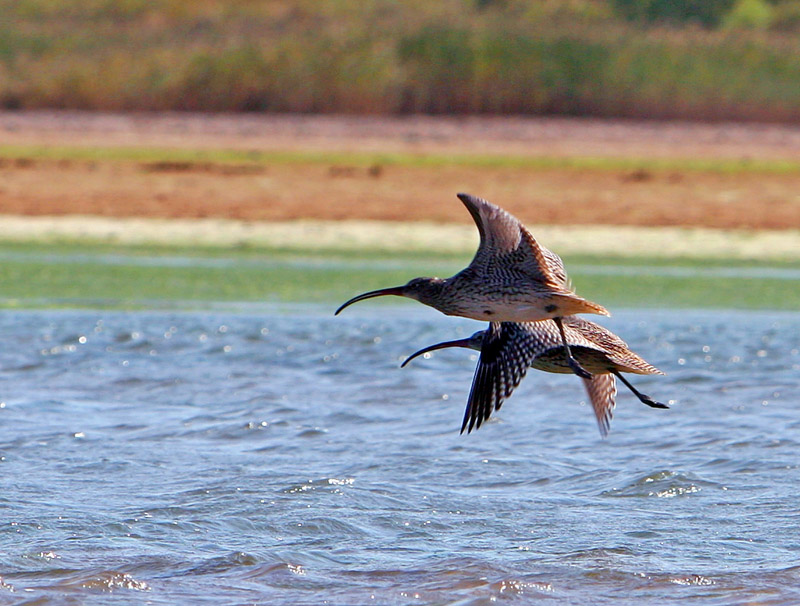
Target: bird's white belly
(504,311)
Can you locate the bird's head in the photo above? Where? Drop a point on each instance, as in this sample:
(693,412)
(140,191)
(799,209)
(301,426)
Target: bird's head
(423,289)
(419,289)
(473,342)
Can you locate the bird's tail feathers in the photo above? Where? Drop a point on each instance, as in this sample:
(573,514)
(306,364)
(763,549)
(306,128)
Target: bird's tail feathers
(573,304)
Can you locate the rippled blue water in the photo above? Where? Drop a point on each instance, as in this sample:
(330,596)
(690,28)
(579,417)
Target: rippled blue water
(282,457)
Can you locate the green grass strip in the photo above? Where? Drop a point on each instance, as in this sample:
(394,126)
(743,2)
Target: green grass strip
(227,157)
(70,276)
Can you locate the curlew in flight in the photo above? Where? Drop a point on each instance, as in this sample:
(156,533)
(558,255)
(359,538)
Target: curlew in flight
(508,349)
(512,278)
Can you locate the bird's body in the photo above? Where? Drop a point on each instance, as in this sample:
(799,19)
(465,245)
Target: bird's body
(512,296)
(511,278)
(598,349)
(508,349)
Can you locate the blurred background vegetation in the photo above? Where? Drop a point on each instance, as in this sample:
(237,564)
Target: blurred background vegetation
(699,59)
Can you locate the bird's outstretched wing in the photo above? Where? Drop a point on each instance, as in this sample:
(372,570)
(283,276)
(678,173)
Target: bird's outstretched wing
(617,350)
(602,391)
(507,351)
(504,237)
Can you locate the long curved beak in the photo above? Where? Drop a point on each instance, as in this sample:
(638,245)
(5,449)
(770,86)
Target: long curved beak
(459,343)
(395,290)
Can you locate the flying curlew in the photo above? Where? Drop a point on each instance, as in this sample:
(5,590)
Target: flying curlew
(508,349)
(512,278)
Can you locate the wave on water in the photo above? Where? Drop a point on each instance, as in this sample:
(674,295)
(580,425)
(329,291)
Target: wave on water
(663,484)
(69,581)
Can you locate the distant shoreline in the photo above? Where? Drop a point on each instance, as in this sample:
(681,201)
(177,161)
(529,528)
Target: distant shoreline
(281,168)
(388,237)
(528,135)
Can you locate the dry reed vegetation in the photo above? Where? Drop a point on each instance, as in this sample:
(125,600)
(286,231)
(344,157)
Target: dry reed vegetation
(389,57)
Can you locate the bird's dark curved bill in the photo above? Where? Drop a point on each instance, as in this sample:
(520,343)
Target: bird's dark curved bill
(458,343)
(395,290)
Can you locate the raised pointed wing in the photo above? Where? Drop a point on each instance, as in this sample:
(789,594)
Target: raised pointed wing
(602,391)
(507,351)
(556,268)
(505,239)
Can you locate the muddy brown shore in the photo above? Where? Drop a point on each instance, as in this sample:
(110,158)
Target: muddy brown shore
(339,191)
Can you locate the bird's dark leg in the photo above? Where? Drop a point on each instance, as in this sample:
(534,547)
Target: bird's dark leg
(572,362)
(644,399)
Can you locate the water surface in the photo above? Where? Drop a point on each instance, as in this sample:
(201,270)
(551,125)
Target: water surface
(280,456)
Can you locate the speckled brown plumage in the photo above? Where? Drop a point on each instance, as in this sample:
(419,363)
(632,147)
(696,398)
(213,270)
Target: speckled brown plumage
(511,278)
(508,349)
